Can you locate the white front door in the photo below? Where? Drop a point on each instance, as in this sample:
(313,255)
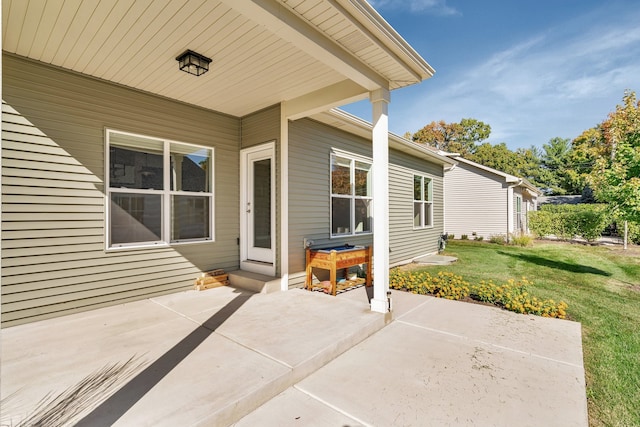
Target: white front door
(257,209)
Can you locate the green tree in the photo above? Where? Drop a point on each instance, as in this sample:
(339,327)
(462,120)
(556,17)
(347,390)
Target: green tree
(473,132)
(554,162)
(615,178)
(454,137)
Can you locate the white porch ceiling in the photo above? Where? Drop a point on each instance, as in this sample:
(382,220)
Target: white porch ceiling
(264,51)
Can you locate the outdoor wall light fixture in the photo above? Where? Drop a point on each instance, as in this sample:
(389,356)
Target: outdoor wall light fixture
(193,63)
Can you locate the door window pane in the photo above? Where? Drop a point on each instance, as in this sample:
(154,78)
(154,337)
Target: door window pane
(262,203)
(340,215)
(135,218)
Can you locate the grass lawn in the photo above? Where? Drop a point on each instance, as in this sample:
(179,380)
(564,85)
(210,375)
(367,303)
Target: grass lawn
(601,286)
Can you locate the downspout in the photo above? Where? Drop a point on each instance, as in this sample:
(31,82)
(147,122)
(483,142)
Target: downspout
(510,208)
(444,196)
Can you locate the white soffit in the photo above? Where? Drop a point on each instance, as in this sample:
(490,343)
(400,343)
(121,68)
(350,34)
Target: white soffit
(263,51)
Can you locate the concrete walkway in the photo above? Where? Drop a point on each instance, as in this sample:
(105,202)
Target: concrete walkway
(222,356)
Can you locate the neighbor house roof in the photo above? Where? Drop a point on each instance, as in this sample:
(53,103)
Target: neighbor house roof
(521,182)
(264,51)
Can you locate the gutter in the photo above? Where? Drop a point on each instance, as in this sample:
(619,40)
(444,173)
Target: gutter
(372,20)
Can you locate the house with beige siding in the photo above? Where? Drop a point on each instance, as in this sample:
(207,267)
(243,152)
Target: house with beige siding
(482,202)
(125,177)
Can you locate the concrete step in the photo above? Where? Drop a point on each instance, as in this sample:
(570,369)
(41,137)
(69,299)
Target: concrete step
(254,282)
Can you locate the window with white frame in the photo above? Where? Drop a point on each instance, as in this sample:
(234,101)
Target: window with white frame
(422,201)
(351,195)
(159,191)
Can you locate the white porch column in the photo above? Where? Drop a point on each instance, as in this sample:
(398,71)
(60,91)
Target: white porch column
(380,99)
(284,198)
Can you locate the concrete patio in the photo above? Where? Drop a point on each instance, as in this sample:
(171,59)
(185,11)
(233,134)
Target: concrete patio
(225,356)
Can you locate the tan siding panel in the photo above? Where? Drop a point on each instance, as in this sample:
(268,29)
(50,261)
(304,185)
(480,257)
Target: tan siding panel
(309,211)
(53,255)
(67,250)
(260,127)
(407,243)
(476,201)
(41,312)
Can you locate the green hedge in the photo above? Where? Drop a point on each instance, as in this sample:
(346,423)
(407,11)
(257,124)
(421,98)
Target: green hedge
(568,221)
(634,232)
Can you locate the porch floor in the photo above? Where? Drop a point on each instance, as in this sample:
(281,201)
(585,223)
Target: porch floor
(295,358)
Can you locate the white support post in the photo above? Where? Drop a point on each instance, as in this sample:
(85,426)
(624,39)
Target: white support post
(380,99)
(284,198)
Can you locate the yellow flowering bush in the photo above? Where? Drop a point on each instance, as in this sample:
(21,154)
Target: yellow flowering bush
(443,285)
(512,295)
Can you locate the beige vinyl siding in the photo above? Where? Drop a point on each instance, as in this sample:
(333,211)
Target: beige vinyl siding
(475,201)
(54,260)
(310,145)
(259,128)
(407,243)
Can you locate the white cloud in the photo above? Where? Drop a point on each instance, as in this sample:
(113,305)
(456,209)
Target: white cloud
(434,7)
(557,83)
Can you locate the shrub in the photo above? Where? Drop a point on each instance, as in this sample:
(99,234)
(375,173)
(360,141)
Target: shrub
(500,239)
(443,285)
(512,295)
(522,240)
(568,221)
(479,238)
(591,222)
(451,236)
(464,237)
(542,223)
(634,232)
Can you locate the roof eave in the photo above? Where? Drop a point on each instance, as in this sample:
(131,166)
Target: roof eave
(370,18)
(395,141)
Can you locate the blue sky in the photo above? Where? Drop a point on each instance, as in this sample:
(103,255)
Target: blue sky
(532,69)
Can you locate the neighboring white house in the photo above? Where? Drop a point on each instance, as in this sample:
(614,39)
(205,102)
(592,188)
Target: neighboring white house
(481,201)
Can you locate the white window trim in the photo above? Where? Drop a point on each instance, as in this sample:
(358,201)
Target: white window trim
(423,203)
(166,196)
(352,197)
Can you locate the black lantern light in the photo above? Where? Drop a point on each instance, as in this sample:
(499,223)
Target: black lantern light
(193,63)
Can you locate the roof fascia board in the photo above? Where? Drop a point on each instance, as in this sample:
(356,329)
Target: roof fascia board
(506,176)
(400,50)
(281,21)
